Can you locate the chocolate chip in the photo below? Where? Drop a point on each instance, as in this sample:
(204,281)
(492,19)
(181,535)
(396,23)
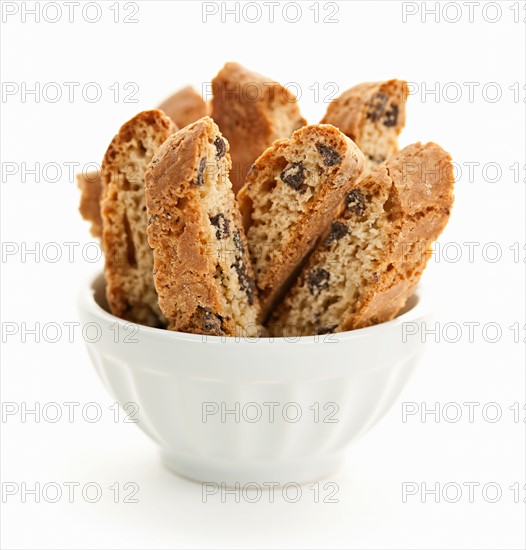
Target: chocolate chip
(246,283)
(355,202)
(131,254)
(208,320)
(223,228)
(200,173)
(220,146)
(375,276)
(318,280)
(376,106)
(294,175)
(238,243)
(391,117)
(338,230)
(326,330)
(329,155)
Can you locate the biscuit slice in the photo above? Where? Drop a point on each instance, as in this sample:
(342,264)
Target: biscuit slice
(252,111)
(202,269)
(292,193)
(130,288)
(370,260)
(184,107)
(90,186)
(372,114)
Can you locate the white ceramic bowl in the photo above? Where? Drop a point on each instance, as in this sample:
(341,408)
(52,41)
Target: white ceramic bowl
(295,404)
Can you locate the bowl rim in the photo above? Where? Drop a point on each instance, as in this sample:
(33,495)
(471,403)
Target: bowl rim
(87,304)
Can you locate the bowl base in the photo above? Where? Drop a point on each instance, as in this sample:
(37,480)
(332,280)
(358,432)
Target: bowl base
(237,474)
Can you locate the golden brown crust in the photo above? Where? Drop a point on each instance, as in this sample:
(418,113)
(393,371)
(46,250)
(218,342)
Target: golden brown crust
(128,269)
(90,186)
(201,267)
(368,263)
(372,114)
(422,193)
(184,107)
(252,111)
(292,193)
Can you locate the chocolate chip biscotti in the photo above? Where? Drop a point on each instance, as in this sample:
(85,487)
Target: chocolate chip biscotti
(372,114)
(371,258)
(291,195)
(252,111)
(202,270)
(130,288)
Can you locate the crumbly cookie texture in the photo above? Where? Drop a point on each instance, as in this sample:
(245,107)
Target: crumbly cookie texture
(372,114)
(252,111)
(90,186)
(184,107)
(291,195)
(202,268)
(370,259)
(130,288)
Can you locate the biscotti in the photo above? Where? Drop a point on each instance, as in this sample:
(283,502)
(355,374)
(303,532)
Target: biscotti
(372,114)
(90,186)
(202,270)
(130,288)
(252,111)
(371,258)
(184,107)
(291,195)
(253,223)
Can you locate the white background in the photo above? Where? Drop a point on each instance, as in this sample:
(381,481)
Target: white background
(170,47)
